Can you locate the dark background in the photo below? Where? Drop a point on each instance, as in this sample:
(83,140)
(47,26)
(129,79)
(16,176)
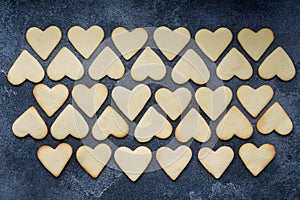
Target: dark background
(23,177)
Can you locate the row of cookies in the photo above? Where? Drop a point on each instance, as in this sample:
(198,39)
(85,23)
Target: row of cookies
(149,65)
(134,162)
(170,42)
(173,103)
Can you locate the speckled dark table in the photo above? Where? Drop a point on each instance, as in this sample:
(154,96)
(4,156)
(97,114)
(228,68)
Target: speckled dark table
(23,177)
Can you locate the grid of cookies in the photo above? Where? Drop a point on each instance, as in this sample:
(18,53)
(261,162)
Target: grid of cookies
(113,121)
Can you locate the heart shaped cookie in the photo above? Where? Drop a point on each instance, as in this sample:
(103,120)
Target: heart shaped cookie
(65,63)
(279,64)
(43,42)
(107,63)
(86,41)
(234,64)
(213,103)
(152,124)
(55,160)
(213,44)
(93,160)
(173,162)
(255,43)
(275,119)
(129,42)
(89,99)
(69,122)
(148,64)
(216,162)
(110,123)
(50,99)
(173,103)
(169,42)
(254,100)
(234,123)
(256,159)
(131,102)
(193,125)
(30,123)
(190,67)
(133,163)
(26,67)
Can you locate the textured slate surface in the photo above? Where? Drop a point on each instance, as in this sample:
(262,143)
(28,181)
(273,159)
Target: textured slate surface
(23,177)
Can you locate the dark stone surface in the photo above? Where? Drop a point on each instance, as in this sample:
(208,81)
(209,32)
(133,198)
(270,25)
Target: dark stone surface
(23,177)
